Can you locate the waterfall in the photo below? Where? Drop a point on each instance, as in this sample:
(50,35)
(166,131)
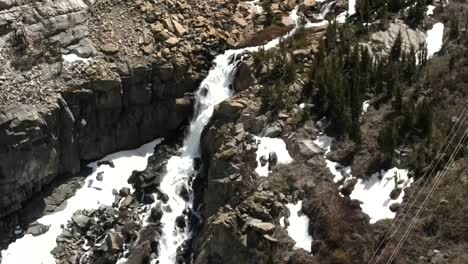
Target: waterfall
(326,8)
(214,89)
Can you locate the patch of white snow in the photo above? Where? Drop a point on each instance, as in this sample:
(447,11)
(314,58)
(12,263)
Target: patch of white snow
(73,57)
(375,193)
(434,39)
(298,228)
(38,248)
(430,10)
(265,147)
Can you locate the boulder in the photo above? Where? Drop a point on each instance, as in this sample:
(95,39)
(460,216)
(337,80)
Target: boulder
(171,42)
(272,159)
(305,149)
(395,207)
(395,193)
(179,30)
(272,131)
(81,220)
(243,77)
(37,229)
(156,212)
(100,176)
(114,242)
(348,186)
(228,110)
(262,227)
(180,221)
(109,48)
(140,254)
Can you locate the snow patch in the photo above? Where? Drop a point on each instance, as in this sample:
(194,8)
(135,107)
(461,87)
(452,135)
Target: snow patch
(73,57)
(375,193)
(38,248)
(341,18)
(430,10)
(434,39)
(298,228)
(265,147)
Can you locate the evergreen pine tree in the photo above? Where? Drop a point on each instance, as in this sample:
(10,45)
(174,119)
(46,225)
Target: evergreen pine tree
(395,51)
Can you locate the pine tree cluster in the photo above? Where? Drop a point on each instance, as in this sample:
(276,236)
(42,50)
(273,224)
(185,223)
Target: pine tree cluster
(345,72)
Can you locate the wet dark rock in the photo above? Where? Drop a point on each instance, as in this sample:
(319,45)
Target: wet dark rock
(203,91)
(184,193)
(156,213)
(272,159)
(140,254)
(395,193)
(163,197)
(114,242)
(263,160)
(180,222)
(197,163)
(129,230)
(395,207)
(150,233)
(148,198)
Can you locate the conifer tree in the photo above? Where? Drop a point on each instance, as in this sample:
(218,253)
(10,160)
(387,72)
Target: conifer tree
(395,51)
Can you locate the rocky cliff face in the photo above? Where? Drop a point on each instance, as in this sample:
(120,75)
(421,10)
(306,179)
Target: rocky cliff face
(102,116)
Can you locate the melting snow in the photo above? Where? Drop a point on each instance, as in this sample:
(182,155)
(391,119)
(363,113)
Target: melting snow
(38,248)
(430,10)
(268,145)
(373,193)
(298,228)
(73,57)
(341,18)
(434,39)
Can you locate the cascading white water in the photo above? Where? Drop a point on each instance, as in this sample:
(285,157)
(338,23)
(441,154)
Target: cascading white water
(326,8)
(213,90)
